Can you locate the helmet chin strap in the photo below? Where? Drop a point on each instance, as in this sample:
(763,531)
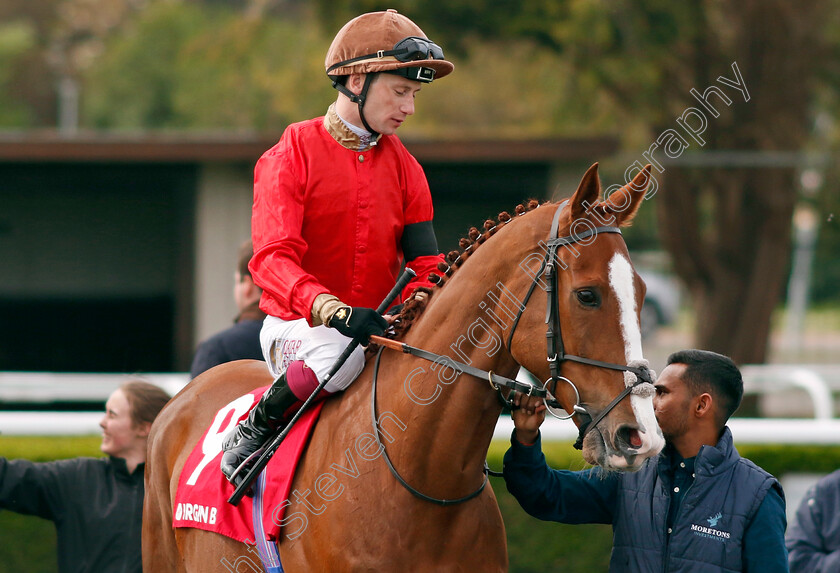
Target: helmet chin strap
(359,99)
(361,102)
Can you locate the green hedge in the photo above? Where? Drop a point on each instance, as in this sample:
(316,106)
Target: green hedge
(537,546)
(28,543)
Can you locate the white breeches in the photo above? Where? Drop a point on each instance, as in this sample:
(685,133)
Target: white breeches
(284,341)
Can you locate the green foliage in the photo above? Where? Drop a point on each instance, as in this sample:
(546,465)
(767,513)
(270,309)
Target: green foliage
(511,90)
(779,460)
(252,74)
(16,39)
(133,83)
(536,546)
(28,543)
(48,448)
(609,57)
(186,67)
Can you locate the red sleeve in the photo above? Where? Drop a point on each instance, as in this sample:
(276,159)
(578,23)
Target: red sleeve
(419,209)
(418,198)
(422,266)
(276,224)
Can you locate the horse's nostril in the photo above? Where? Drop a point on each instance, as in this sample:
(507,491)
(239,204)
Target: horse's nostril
(630,436)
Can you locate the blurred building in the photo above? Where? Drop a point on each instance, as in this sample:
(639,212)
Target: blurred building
(118,250)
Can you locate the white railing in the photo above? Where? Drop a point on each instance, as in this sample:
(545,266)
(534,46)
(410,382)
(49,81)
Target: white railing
(50,423)
(50,387)
(744,430)
(820,382)
(44,388)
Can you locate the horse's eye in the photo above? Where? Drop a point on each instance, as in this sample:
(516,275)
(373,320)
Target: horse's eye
(587,297)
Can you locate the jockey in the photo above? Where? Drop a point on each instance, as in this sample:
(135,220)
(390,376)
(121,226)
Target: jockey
(339,206)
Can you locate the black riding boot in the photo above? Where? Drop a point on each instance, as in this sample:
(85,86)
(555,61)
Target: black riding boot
(254,431)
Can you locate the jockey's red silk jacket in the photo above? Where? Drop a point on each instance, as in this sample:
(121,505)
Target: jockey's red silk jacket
(328,219)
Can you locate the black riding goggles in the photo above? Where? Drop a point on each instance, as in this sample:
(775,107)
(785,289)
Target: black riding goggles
(410,49)
(415,48)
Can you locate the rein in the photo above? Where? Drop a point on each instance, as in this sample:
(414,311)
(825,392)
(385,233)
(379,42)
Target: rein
(496,381)
(555,353)
(391,467)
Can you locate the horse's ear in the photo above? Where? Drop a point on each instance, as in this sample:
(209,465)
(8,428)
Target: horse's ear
(625,202)
(588,193)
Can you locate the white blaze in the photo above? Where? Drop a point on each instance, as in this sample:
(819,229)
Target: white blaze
(622,284)
(621,277)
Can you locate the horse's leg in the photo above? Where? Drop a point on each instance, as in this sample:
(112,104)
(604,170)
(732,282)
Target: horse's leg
(175,432)
(160,552)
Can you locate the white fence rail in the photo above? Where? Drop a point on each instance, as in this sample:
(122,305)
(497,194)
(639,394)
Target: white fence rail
(820,382)
(50,387)
(49,423)
(745,430)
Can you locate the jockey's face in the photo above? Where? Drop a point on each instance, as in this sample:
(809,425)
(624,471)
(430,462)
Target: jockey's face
(390,100)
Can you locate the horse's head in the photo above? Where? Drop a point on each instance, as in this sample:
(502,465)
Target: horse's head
(593,302)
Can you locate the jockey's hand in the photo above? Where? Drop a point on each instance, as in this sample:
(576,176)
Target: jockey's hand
(358,322)
(528,415)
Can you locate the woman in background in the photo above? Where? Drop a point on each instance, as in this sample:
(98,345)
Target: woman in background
(95,503)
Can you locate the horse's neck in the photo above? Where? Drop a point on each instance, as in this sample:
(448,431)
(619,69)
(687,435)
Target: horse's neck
(450,418)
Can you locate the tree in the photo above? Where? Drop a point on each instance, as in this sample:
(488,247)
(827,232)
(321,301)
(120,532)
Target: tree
(64,38)
(735,256)
(538,68)
(210,68)
(16,38)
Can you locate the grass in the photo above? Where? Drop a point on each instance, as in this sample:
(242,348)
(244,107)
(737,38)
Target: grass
(48,448)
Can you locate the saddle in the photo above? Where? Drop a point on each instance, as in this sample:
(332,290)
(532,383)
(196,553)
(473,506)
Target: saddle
(203,491)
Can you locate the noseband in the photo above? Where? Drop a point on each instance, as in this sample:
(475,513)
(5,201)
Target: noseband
(554,337)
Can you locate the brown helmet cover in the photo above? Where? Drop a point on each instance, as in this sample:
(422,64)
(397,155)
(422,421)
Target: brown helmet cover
(370,33)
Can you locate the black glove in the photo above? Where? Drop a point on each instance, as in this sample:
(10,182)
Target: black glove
(358,322)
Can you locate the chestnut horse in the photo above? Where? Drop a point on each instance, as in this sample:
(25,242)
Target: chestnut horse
(436,425)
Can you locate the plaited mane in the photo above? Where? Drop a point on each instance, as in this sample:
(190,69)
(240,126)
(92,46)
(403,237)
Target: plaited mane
(414,307)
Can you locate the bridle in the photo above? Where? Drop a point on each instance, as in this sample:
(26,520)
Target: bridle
(554,336)
(556,356)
